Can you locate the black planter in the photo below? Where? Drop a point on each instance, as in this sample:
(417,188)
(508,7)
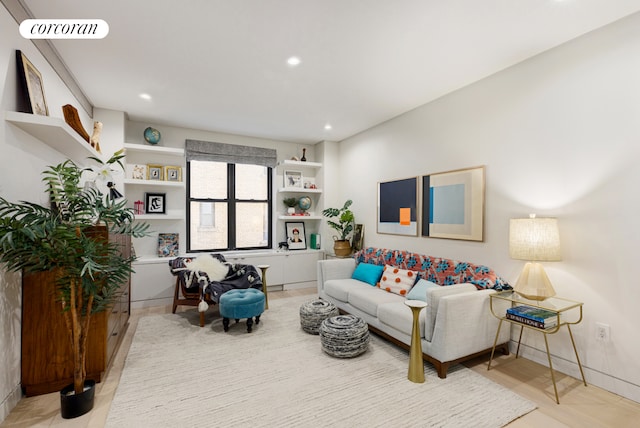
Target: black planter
(74,405)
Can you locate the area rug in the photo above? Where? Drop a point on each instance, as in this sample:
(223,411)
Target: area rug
(180,375)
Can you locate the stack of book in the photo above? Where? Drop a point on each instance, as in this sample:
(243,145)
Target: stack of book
(535,317)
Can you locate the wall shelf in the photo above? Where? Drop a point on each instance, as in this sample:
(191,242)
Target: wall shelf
(299,164)
(161,150)
(147,183)
(55,133)
(300,217)
(298,190)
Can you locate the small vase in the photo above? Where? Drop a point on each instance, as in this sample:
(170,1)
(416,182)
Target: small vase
(304,155)
(291,210)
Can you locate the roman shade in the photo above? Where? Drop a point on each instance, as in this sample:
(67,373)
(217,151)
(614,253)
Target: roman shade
(230,153)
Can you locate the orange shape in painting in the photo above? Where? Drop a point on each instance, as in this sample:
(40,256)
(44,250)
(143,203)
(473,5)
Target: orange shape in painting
(405,216)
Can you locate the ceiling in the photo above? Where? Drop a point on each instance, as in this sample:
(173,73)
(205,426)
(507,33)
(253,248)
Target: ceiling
(220,65)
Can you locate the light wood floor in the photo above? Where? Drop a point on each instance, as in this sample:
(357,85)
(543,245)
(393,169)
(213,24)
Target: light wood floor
(580,406)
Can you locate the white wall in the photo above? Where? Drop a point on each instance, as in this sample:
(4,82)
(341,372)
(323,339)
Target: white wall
(21,161)
(560,136)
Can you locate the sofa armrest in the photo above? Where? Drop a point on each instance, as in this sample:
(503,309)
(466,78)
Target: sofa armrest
(464,325)
(334,269)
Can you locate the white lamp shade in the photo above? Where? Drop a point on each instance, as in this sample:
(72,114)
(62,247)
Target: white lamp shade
(534,239)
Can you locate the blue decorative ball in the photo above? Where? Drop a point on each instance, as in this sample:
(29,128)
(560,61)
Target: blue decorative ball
(152,135)
(304,203)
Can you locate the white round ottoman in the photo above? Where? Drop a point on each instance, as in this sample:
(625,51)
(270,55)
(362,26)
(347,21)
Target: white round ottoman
(344,336)
(314,312)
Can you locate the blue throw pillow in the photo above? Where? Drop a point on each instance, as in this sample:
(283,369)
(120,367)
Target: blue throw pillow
(419,291)
(368,273)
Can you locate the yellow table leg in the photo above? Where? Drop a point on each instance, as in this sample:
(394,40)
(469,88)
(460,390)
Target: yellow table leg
(264,268)
(416,366)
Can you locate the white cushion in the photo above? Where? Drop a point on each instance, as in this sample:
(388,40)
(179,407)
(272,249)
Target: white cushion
(368,299)
(397,315)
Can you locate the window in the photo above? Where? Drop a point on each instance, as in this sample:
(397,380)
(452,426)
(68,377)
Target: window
(229,206)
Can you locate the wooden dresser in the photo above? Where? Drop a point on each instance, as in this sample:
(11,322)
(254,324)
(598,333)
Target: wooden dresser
(47,364)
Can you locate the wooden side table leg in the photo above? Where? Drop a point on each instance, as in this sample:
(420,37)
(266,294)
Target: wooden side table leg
(264,268)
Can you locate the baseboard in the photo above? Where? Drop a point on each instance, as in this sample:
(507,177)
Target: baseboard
(9,402)
(593,377)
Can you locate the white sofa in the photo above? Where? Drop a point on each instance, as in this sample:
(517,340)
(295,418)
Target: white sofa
(456,325)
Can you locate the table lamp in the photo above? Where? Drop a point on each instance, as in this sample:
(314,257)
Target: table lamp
(534,240)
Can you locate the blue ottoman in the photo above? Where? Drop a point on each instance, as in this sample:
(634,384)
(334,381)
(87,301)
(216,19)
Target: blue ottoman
(241,303)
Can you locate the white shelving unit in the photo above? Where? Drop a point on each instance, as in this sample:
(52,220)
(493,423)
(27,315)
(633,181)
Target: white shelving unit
(174,221)
(54,132)
(309,170)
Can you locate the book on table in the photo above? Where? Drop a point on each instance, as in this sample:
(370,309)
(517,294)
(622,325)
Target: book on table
(536,317)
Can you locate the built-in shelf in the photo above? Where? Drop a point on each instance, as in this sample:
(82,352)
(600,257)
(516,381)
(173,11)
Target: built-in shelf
(172,151)
(299,164)
(300,217)
(168,216)
(298,190)
(55,133)
(135,181)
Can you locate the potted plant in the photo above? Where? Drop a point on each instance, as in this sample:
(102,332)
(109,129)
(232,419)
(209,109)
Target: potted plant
(290,203)
(344,226)
(64,239)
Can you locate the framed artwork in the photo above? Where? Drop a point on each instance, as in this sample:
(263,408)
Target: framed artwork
(296,237)
(453,204)
(155,172)
(173,173)
(168,244)
(155,203)
(398,207)
(358,237)
(293,179)
(137,172)
(31,82)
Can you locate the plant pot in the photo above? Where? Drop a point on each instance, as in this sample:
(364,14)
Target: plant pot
(74,405)
(341,247)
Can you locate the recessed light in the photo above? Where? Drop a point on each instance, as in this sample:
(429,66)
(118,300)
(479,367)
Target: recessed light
(294,61)
(145,96)
(328,127)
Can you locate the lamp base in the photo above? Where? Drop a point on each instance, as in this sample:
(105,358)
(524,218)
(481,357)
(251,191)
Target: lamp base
(533,283)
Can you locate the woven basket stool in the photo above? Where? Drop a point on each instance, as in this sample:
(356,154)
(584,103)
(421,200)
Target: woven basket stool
(241,303)
(314,312)
(344,336)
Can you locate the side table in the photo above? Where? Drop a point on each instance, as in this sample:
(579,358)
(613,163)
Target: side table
(416,366)
(557,305)
(264,268)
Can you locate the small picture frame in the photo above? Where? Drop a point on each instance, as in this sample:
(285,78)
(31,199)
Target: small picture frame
(358,237)
(138,172)
(168,244)
(172,173)
(293,180)
(155,203)
(31,82)
(155,172)
(296,237)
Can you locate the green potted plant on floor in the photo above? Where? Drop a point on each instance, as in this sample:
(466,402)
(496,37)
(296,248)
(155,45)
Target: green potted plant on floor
(344,225)
(67,239)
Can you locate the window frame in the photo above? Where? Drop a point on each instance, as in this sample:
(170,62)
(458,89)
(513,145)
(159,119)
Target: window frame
(231,202)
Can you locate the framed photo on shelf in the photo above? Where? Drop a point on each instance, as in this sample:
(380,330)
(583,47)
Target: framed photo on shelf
(172,173)
(137,172)
(293,179)
(31,82)
(296,237)
(155,203)
(155,172)
(168,244)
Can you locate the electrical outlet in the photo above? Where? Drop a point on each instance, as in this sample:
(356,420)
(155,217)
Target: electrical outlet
(603,332)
